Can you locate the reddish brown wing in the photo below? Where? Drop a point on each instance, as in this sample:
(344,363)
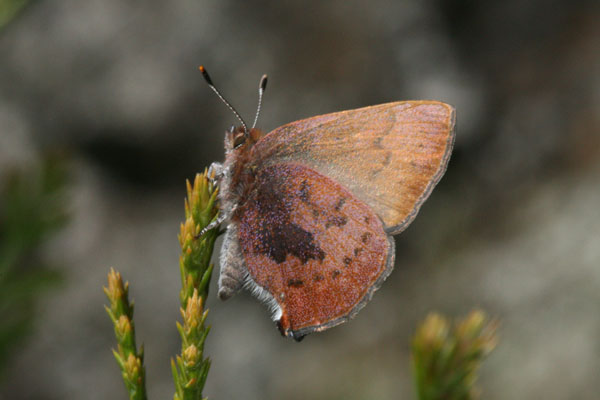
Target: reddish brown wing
(390,156)
(315,248)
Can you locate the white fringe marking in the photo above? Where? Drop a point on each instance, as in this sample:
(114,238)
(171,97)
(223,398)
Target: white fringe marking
(263,296)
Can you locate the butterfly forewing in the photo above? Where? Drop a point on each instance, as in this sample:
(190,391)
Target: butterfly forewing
(390,156)
(316,249)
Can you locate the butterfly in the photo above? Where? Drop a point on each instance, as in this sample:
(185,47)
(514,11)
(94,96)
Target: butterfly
(311,207)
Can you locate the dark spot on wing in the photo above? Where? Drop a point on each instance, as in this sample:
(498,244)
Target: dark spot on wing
(281,240)
(358,250)
(347,261)
(336,273)
(336,220)
(367,219)
(376,172)
(304,192)
(278,236)
(340,204)
(388,158)
(377,142)
(297,337)
(297,283)
(365,237)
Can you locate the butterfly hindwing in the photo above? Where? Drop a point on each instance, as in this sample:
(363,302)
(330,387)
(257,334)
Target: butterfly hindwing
(390,156)
(317,250)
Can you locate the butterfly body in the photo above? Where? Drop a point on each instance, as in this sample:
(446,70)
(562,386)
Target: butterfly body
(311,206)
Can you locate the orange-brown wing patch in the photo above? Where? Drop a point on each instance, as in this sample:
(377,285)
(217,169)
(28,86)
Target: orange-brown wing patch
(318,250)
(390,156)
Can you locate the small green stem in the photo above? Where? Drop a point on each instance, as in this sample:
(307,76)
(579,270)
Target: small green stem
(190,368)
(130,360)
(445,361)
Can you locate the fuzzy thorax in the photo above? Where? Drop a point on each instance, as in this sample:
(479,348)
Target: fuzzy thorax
(236,176)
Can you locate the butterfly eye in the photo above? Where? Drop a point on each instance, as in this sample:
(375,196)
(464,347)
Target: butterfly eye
(239,140)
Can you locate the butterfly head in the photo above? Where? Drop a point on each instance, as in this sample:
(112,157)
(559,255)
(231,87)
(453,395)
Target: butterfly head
(238,155)
(239,140)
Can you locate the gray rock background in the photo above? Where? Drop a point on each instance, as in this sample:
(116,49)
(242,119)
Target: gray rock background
(513,228)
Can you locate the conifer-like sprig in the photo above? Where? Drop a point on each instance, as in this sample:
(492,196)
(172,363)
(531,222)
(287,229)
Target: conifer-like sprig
(129,358)
(194,262)
(190,368)
(445,358)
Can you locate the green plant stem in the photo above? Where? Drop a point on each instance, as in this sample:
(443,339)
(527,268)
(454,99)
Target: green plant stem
(130,360)
(190,368)
(445,359)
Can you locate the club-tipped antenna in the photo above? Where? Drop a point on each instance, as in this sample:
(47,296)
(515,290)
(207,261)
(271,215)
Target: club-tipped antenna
(262,86)
(214,89)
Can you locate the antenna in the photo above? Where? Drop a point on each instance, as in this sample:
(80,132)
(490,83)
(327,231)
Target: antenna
(262,86)
(212,86)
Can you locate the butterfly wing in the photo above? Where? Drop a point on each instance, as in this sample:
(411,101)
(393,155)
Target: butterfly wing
(311,248)
(390,156)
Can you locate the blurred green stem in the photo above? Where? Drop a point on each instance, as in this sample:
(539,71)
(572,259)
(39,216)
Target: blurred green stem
(32,207)
(10,9)
(445,359)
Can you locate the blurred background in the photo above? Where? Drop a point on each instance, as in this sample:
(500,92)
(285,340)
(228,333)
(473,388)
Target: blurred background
(103,115)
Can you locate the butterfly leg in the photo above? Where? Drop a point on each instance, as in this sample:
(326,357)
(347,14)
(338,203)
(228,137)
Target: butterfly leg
(220,219)
(233,269)
(215,172)
(223,216)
